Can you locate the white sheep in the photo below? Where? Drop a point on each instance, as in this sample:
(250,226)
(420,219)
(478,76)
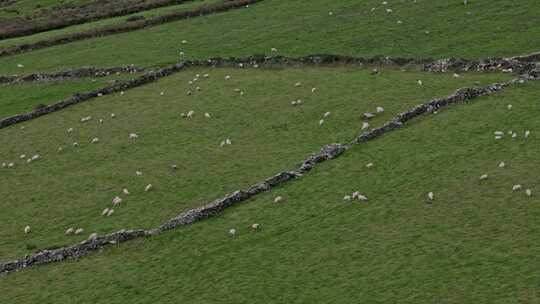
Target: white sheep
(326,114)
(527,133)
(207,115)
(273,50)
(232,232)
(228,141)
(110,212)
(174,167)
(369,165)
(70,130)
(498,133)
(190,114)
(10,165)
(227,77)
(255,226)
(148,188)
(483,177)
(69,231)
(92,236)
(380,109)
(528,192)
(419,82)
(162,93)
(205,76)
(79,231)
(516,187)
(222,144)
(95,140)
(27,229)
(321,122)
(502,165)
(138,173)
(347,198)
(133,136)
(431,196)
(125,191)
(113,115)
(35,157)
(297,84)
(509,107)
(105,211)
(278,199)
(116,200)
(313,90)
(365,125)
(456,75)
(101,120)
(293,102)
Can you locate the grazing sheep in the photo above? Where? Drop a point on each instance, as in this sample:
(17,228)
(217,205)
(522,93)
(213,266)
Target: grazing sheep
(184,41)
(502,165)
(69,231)
(207,115)
(365,125)
(527,133)
(162,93)
(498,137)
(93,236)
(509,107)
(70,130)
(528,192)
(138,173)
(95,140)
(431,196)
(347,198)
(273,50)
(483,177)
(232,232)
(27,229)
(110,212)
(255,227)
(241,93)
(190,114)
(297,84)
(197,88)
(514,135)
(498,133)
(125,191)
(456,75)
(113,115)
(79,231)
(326,114)
(419,82)
(227,77)
(105,211)
(278,199)
(228,141)
(222,144)
(188,93)
(205,76)
(101,120)
(122,93)
(10,165)
(133,136)
(313,90)
(148,188)
(516,187)
(370,165)
(22,156)
(368,115)
(293,102)
(87,118)
(116,200)
(321,122)
(380,109)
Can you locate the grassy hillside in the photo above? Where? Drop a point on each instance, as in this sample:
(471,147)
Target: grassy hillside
(475,243)
(22,98)
(493,28)
(101,23)
(268,135)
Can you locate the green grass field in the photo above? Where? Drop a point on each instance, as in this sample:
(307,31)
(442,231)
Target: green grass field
(101,23)
(24,97)
(269,135)
(494,28)
(475,242)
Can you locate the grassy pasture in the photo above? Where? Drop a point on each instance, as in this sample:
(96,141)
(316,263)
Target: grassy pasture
(477,242)
(268,135)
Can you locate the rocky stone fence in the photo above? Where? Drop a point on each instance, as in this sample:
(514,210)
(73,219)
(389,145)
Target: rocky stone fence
(71,74)
(127,27)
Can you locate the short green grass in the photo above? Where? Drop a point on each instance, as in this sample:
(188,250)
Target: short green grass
(32,7)
(24,97)
(102,23)
(477,242)
(268,134)
(494,28)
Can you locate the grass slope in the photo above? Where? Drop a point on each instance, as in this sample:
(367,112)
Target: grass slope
(22,98)
(268,135)
(493,28)
(477,242)
(104,22)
